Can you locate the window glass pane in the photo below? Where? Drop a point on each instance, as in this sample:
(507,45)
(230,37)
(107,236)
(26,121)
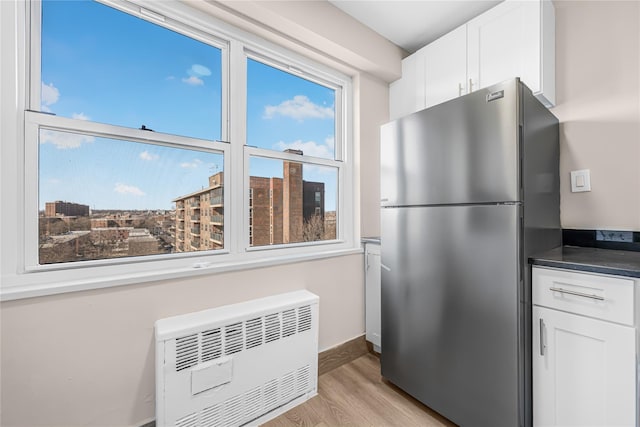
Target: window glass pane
(104,65)
(106,198)
(291,202)
(288,112)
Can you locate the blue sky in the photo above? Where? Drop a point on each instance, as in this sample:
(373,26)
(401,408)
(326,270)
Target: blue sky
(102,65)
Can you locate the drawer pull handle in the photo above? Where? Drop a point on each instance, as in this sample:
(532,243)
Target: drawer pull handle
(578,294)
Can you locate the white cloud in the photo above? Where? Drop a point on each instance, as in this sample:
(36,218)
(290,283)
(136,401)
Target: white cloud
(80,116)
(299,108)
(54,181)
(195,72)
(309,148)
(193,81)
(49,95)
(198,70)
(191,165)
(145,155)
(64,140)
(128,189)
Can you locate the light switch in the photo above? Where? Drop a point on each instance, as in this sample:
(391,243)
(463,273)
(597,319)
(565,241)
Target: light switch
(580,180)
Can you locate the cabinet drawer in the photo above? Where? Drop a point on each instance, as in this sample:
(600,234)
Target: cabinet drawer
(602,297)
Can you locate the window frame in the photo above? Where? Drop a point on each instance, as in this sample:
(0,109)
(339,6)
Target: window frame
(19,277)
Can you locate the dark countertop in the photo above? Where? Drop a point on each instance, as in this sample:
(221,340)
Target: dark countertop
(591,260)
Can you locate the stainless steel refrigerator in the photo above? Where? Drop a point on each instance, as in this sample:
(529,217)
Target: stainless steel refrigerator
(469,189)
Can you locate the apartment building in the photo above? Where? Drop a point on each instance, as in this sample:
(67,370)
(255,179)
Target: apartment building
(65,208)
(200,218)
(278,211)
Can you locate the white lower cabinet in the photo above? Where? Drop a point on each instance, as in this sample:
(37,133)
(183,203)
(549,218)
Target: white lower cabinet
(373,324)
(584,368)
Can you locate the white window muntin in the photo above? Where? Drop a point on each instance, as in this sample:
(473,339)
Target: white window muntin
(34,122)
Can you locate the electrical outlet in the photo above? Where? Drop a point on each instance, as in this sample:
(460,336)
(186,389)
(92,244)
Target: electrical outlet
(614,236)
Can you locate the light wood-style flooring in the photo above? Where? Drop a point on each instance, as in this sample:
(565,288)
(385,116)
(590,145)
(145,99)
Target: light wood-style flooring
(354,394)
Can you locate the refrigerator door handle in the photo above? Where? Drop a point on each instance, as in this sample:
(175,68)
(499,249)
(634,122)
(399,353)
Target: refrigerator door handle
(542,338)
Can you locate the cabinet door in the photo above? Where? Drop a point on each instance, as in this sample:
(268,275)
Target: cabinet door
(407,93)
(372,294)
(583,371)
(446,67)
(504,43)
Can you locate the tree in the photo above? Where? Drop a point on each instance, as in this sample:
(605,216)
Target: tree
(313,229)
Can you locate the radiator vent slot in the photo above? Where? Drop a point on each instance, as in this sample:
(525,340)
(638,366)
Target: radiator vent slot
(237,365)
(190,420)
(271,394)
(254,332)
(186,352)
(304,318)
(233,338)
(212,416)
(232,411)
(272,327)
(211,344)
(288,323)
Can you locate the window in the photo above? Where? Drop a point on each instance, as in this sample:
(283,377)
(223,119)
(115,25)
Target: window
(132,165)
(101,198)
(291,131)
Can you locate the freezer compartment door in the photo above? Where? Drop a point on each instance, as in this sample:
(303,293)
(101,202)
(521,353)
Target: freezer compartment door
(451,310)
(462,151)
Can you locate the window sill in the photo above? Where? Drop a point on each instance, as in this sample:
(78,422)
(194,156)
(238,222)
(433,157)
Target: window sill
(17,287)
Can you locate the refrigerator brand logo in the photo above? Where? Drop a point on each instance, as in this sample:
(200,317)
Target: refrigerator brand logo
(495,95)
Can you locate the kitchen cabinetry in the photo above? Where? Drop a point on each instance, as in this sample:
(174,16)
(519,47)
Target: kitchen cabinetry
(406,95)
(513,39)
(372,294)
(445,69)
(584,349)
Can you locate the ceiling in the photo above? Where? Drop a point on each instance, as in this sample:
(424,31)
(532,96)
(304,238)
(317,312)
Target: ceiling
(411,24)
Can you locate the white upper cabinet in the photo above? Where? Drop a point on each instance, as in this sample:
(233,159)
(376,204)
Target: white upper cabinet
(514,39)
(445,72)
(406,95)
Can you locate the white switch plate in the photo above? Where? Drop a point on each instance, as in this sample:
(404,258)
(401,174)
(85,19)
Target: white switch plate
(580,180)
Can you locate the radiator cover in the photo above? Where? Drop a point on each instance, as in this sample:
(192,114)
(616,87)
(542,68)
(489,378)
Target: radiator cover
(240,364)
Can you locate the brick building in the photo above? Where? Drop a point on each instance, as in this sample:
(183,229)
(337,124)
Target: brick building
(200,218)
(59,208)
(278,209)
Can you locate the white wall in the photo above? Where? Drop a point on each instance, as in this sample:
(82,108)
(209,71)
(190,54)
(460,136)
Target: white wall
(598,104)
(87,358)
(374,104)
